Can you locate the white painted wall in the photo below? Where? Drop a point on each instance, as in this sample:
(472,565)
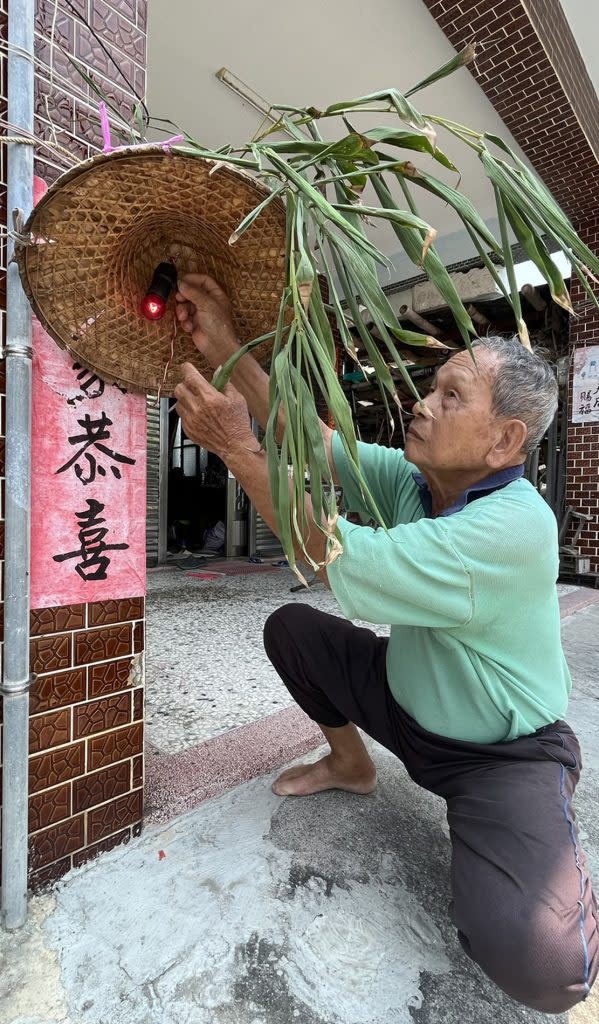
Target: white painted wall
(583,17)
(314,53)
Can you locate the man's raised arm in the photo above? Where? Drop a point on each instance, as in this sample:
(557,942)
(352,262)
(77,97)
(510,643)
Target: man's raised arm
(203,310)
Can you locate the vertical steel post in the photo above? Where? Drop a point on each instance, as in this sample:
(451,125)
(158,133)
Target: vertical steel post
(16,679)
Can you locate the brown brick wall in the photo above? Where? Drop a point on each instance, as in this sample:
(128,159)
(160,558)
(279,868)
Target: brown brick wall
(530,93)
(86,714)
(552,28)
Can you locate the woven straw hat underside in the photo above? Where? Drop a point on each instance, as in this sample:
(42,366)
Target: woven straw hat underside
(101,236)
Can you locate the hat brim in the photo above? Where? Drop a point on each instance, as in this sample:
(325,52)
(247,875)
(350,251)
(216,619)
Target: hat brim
(102,229)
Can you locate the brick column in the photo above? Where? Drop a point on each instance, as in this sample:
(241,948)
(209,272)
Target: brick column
(86,726)
(582,479)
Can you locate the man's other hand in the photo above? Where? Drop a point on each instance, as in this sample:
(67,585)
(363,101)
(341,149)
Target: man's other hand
(204,311)
(217,421)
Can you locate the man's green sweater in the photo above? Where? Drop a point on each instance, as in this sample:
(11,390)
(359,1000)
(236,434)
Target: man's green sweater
(475,651)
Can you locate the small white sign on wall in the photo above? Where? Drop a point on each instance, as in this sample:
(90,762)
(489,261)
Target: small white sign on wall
(585,389)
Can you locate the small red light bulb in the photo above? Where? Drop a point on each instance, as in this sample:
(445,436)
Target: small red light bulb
(153,307)
(162,284)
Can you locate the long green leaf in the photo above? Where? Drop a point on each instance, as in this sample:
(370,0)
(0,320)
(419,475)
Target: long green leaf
(534,205)
(377,303)
(579,270)
(488,263)
(249,219)
(283,505)
(460,203)
(435,269)
(317,200)
(224,373)
(396,100)
(511,272)
(464,56)
(537,251)
(396,216)
(384,379)
(411,141)
(342,415)
(383,374)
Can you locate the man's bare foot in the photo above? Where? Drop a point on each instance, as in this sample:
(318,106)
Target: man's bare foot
(328,773)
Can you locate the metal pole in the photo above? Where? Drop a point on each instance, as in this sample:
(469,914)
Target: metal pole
(16,681)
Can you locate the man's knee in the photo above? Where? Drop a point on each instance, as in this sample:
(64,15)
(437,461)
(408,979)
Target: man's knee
(275,626)
(541,959)
(289,622)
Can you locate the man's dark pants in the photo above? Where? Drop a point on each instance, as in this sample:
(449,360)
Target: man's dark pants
(522,899)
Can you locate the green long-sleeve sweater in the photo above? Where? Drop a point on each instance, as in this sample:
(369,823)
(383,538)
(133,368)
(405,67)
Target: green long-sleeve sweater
(475,651)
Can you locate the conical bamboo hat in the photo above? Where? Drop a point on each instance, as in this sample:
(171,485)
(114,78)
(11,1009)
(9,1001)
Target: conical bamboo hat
(101,230)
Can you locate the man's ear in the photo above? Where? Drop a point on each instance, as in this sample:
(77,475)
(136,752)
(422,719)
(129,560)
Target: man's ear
(509,445)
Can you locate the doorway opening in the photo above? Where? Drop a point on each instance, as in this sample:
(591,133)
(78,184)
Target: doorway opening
(196,495)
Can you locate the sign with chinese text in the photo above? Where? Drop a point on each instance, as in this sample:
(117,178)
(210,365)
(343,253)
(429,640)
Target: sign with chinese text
(88,525)
(585,391)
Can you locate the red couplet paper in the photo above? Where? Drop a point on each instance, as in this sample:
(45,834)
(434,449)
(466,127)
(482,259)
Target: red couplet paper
(88,456)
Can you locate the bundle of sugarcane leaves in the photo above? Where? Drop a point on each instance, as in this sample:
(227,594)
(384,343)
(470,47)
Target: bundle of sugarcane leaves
(321,183)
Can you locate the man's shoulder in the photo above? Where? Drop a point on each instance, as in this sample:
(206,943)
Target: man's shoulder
(515,516)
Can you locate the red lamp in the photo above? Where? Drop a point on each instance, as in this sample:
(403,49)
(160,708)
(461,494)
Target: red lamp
(162,284)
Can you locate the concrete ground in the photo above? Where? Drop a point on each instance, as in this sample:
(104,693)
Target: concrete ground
(206,670)
(254,910)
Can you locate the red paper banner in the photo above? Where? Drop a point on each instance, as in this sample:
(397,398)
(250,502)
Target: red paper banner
(88,483)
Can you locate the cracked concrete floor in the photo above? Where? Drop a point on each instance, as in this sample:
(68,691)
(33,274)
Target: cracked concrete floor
(255,910)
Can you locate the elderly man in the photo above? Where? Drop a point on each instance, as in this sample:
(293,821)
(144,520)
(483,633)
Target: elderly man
(471,687)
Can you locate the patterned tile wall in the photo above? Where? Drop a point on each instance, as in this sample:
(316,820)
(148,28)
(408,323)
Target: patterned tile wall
(86,732)
(108,39)
(3,113)
(87,702)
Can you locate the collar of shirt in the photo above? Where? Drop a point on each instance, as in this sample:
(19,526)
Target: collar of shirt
(491,483)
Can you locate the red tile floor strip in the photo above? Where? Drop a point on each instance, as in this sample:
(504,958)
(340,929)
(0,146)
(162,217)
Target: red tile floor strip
(583,597)
(178,782)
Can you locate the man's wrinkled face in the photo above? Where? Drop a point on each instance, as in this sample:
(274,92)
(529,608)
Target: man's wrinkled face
(464,428)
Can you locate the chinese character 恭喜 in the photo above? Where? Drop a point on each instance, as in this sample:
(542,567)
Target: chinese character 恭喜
(89,384)
(93,560)
(95,431)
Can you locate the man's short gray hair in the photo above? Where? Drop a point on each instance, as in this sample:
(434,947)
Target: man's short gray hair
(524,388)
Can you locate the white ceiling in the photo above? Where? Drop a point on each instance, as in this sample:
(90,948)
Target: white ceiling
(315,53)
(583,17)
